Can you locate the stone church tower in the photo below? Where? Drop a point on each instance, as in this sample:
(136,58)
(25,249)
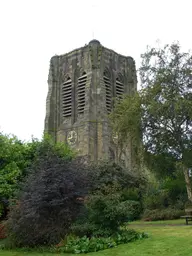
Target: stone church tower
(81,87)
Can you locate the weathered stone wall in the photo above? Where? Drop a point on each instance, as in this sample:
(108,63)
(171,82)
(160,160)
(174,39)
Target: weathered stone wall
(87,130)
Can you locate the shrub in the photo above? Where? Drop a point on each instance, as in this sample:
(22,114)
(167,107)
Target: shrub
(2,231)
(135,210)
(1,209)
(55,194)
(133,194)
(155,198)
(162,214)
(15,158)
(108,204)
(167,193)
(47,147)
(49,203)
(109,174)
(84,244)
(81,229)
(4,208)
(176,189)
(108,211)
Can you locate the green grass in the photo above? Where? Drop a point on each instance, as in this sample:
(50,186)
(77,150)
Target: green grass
(166,239)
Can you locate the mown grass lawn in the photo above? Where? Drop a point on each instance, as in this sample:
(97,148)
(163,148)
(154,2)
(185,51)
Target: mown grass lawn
(167,238)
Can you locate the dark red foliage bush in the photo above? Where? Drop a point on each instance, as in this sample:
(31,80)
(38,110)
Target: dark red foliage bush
(50,201)
(2,231)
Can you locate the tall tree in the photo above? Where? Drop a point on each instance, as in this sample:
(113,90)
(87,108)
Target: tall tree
(162,110)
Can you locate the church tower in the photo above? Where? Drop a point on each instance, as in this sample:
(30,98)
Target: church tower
(82,85)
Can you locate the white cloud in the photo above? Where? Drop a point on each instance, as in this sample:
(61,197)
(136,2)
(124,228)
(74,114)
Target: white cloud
(34,30)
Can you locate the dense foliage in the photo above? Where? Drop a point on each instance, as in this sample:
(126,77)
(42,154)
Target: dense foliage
(161,112)
(162,214)
(111,201)
(50,202)
(84,244)
(2,231)
(108,210)
(13,161)
(109,174)
(61,196)
(15,158)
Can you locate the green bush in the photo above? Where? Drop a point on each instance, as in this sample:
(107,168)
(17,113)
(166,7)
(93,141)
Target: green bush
(110,173)
(176,190)
(4,208)
(84,244)
(81,229)
(15,159)
(167,192)
(111,201)
(162,214)
(107,210)
(133,194)
(135,210)
(155,197)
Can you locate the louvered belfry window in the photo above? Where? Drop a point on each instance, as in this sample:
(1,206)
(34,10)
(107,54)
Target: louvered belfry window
(119,87)
(67,98)
(81,93)
(108,90)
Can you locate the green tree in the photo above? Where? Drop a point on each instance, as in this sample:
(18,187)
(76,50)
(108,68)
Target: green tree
(162,110)
(16,156)
(12,163)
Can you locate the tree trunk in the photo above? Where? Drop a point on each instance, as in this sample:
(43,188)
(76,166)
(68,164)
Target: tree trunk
(187,183)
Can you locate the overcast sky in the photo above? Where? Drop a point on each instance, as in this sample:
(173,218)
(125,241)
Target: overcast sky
(31,31)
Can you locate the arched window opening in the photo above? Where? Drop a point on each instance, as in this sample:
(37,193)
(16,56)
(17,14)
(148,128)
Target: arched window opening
(66,95)
(81,93)
(108,90)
